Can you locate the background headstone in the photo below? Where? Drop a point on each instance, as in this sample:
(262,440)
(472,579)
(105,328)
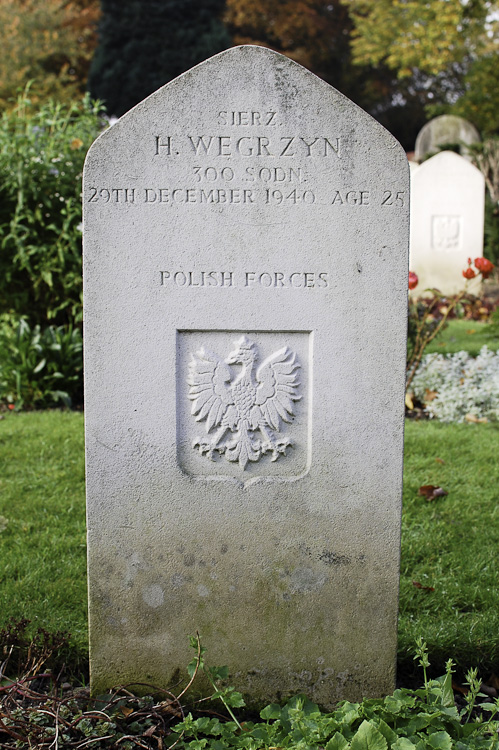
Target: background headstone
(447,220)
(246,212)
(446,130)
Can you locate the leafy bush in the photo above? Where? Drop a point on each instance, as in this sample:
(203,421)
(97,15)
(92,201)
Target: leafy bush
(40,367)
(455,387)
(41,161)
(485,156)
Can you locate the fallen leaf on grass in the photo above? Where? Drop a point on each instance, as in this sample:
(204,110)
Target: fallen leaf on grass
(431,491)
(487,690)
(471,331)
(439,460)
(458,689)
(126,711)
(429,395)
(493,681)
(408,400)
(423,588)
(476,420)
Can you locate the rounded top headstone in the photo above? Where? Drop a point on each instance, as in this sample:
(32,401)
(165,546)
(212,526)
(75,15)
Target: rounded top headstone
(246,210)
(447,216)
(446,130)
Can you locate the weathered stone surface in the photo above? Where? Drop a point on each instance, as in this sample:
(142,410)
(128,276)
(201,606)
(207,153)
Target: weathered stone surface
(446,130)
(246,212)
(447,218)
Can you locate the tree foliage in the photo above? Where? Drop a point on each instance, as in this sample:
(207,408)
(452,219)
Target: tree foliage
(48,41)
(485,156)
(447,50)
(480,100)
(143,44)
(429,35)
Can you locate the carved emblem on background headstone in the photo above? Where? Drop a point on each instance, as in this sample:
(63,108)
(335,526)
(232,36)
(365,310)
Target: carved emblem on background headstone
(446,232)
(243,403)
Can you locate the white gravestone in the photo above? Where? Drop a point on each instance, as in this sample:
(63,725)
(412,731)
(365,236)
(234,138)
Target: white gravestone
(447,219)
(446,130)
(246,232)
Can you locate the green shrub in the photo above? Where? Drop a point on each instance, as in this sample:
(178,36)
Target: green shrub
(41,161)
(491,231)
(40,367)
(493,326)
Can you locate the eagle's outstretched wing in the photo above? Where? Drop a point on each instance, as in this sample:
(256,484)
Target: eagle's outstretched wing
(278,387)
(208,390)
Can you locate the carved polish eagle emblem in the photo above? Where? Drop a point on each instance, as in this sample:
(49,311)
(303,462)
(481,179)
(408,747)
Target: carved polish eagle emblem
(249,405)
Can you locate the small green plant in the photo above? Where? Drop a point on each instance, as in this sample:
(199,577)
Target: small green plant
(40,367)
(423,719)
(229,697)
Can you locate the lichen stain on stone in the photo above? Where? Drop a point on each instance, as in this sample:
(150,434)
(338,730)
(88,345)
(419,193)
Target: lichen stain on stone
(305,579)
(133,566)
(329,557)
(333,558)
(153,595)
(287,90)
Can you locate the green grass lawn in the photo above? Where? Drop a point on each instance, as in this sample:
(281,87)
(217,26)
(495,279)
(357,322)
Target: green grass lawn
(449,545)
(42,497)
(470,335)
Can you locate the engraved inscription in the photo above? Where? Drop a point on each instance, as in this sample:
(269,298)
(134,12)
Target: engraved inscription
(197,279)
(179,196)
(393,199)
(225,186)
(251,174)
(247,146)
(351,197)
(237,407)
(247,118)
(446,233)
(251,279)
(113,195)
